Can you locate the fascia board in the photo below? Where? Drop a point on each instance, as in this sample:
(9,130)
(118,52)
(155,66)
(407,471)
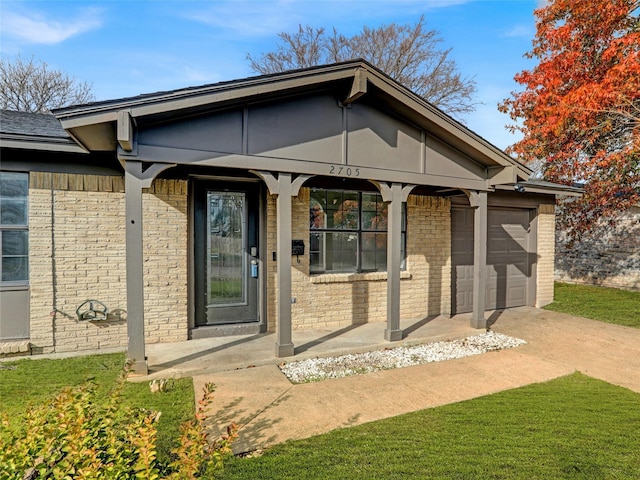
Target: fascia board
(40,144)
(238,92)
(70,121)
(502,175)
(559,190)
(186,99)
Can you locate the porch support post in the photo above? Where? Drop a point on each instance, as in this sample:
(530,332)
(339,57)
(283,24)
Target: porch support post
(395,194)
(134,267)
(284,344)
(285,186)
(394,258)
(479,201)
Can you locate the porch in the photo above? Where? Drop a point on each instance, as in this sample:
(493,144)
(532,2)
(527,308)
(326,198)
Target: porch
(206,355)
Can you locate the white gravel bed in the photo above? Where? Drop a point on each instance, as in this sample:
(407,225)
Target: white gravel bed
(315,369)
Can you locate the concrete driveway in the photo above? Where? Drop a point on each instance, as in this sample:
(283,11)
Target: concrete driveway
(252,391)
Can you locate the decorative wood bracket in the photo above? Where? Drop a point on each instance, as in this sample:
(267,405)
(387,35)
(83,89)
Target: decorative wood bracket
(358,87)
(124,130)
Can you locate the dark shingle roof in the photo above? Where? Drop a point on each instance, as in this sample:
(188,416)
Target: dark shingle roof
(35,131)
(31,124)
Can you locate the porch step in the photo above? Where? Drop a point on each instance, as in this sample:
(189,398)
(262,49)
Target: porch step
(15,348)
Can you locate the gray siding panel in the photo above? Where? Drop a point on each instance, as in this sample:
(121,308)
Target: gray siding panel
(377,139)
(445,160)
(221,132)
(304,129)
(14,314)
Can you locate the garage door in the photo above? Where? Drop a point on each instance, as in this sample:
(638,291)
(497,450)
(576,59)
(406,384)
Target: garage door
(509,258)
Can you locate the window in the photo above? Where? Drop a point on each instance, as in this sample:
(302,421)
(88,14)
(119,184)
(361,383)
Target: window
(348,231)
(14,228)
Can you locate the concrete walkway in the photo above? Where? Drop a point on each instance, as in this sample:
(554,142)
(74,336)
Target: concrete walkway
(253,393)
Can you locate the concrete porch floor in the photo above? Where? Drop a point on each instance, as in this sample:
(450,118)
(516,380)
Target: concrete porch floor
(216,354)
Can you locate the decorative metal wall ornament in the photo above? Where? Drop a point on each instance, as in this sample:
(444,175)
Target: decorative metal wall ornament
(92,310)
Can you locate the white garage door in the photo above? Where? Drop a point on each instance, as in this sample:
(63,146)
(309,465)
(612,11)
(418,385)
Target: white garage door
(509,258)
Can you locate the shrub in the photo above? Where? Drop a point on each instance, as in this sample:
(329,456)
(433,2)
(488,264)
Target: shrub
(79,435)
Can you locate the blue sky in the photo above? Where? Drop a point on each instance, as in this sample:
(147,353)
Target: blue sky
(125,48)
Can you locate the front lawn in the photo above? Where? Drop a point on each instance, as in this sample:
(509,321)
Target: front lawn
(610,305)
(572,427)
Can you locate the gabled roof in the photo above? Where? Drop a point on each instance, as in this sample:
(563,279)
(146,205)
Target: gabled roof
(94,125)
(34,131)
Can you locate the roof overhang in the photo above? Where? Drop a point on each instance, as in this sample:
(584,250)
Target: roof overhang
(547,188)
(35,142)
(99,126)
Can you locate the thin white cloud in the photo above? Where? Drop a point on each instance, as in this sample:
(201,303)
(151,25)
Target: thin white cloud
(251,18)
(34,27)
(516,31)
(246,18)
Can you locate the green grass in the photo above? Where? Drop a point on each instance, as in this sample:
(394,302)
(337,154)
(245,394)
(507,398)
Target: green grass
(30,382)
(572,427)
(609,305)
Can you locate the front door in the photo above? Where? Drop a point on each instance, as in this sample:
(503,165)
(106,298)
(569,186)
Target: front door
(226,241)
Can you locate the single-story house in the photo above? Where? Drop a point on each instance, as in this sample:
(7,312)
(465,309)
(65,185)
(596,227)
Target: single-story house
(321,197)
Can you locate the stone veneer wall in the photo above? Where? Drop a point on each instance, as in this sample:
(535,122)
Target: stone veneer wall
(342,299)
(77,252)
(608,257)
(546,252)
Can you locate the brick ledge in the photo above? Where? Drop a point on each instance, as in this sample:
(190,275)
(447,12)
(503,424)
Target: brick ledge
(15,347)
(354,277)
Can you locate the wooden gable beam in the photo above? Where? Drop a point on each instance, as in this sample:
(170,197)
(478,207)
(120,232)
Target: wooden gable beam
(358,87)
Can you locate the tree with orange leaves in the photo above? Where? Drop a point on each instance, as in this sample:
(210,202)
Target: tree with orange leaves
(580,109)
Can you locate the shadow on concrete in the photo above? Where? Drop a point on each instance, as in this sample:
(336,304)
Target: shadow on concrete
(203,353)
(420,323)
(318,341)
(253,426)
(493,318)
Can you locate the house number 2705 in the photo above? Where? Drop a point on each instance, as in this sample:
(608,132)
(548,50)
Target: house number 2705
(348,171)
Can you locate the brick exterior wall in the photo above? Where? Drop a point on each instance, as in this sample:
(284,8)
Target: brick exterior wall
(342,299)
(166,254)
(546,252)
(77,252)
(608,257)
(428,258)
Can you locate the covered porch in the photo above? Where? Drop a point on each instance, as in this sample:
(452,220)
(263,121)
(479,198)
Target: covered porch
(365,128)
(217,354)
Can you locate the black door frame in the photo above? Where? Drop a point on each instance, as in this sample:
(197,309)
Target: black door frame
(253,192)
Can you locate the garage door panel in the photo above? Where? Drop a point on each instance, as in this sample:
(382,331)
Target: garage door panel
(492,273)
(492,296)
(517,296)
(518,270)
(508,258)
(497,246)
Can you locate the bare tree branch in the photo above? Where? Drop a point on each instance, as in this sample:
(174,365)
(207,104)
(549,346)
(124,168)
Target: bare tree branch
(30,86)
(410,54)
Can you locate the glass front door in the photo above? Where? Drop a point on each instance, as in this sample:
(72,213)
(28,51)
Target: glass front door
(226,257)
